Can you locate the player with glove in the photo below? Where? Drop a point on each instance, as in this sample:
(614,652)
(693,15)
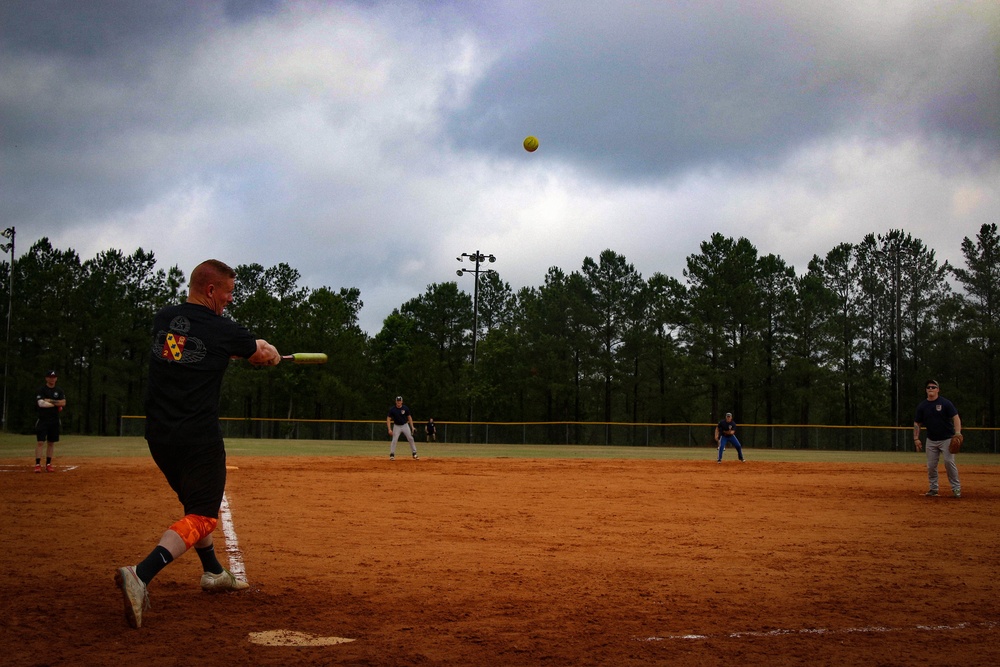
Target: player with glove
(725,432)
(944,436)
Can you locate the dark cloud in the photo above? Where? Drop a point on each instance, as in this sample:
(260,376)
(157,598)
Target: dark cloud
(153,123)
(653,89)
(85,31)
(103,103)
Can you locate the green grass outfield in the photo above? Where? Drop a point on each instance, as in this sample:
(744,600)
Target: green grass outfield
(20,446)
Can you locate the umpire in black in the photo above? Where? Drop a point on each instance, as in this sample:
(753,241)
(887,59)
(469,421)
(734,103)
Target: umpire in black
(50,400)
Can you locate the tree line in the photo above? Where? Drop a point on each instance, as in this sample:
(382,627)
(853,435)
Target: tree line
(849,341)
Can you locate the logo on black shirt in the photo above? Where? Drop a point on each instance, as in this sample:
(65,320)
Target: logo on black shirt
(176,345)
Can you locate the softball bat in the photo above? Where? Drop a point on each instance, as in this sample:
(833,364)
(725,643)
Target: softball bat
(305,358)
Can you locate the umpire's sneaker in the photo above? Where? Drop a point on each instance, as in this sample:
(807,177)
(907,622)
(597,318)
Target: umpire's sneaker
(932,492)
(133,593)
(224,581)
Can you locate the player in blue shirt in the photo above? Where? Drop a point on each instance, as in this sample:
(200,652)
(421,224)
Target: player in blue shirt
(940,417)
(400,421)
(725,432)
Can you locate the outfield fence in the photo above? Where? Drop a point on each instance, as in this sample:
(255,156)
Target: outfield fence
(773,436)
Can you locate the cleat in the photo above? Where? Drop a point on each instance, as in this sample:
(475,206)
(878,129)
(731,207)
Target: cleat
(49,468)
(415,457)
(392,457)
(932,492)
(958,494)
(224,581)
(38,468)
(133,593)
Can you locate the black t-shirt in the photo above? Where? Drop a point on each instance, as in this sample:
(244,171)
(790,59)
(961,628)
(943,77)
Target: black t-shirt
(46,392)
(191,350)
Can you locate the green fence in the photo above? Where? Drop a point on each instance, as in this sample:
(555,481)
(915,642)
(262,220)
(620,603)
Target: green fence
(786,436)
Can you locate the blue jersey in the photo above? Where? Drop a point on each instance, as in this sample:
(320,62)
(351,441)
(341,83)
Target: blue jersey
(399,415)
(937,417)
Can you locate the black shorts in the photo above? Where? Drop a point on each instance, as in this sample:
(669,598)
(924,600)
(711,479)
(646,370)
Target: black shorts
(47,430)
(197,474)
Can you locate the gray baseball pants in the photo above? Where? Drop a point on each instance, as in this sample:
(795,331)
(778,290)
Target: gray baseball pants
(935,450)
(405,430)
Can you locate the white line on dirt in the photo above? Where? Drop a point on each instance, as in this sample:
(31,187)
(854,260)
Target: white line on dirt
(232,543)
(824,631)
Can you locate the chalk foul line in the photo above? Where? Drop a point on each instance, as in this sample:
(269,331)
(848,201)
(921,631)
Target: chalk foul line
(824,631)
(232,543)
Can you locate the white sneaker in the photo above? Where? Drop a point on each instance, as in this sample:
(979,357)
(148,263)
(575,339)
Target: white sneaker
(133,593)
(224,581)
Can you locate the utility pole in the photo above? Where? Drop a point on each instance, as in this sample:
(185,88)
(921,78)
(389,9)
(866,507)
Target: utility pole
(478,258)
(8,247)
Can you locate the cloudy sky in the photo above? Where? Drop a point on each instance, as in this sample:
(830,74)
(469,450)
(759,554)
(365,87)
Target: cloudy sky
(369,143)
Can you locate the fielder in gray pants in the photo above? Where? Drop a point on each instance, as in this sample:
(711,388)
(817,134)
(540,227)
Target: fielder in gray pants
(941,419)
(399,420)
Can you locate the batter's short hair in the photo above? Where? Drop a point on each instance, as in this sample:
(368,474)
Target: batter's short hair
(210,270)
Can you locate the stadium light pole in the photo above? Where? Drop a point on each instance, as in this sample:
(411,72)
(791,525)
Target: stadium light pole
(478,258)
(8,247)
(898,337)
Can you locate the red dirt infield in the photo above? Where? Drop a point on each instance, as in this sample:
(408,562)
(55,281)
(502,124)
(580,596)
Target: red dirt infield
(462,561)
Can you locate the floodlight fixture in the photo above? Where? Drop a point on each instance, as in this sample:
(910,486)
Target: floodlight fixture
(478,258)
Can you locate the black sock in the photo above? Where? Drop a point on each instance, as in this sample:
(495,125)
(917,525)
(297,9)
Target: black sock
(208,560)
(38,462)
(48,460)
(157,559)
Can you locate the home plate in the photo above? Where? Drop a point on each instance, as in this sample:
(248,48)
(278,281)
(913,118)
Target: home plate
(293,638)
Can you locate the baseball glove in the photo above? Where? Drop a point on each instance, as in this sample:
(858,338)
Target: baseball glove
(956,443)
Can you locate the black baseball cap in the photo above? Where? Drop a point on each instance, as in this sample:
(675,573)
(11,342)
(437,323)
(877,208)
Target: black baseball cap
(52,374)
